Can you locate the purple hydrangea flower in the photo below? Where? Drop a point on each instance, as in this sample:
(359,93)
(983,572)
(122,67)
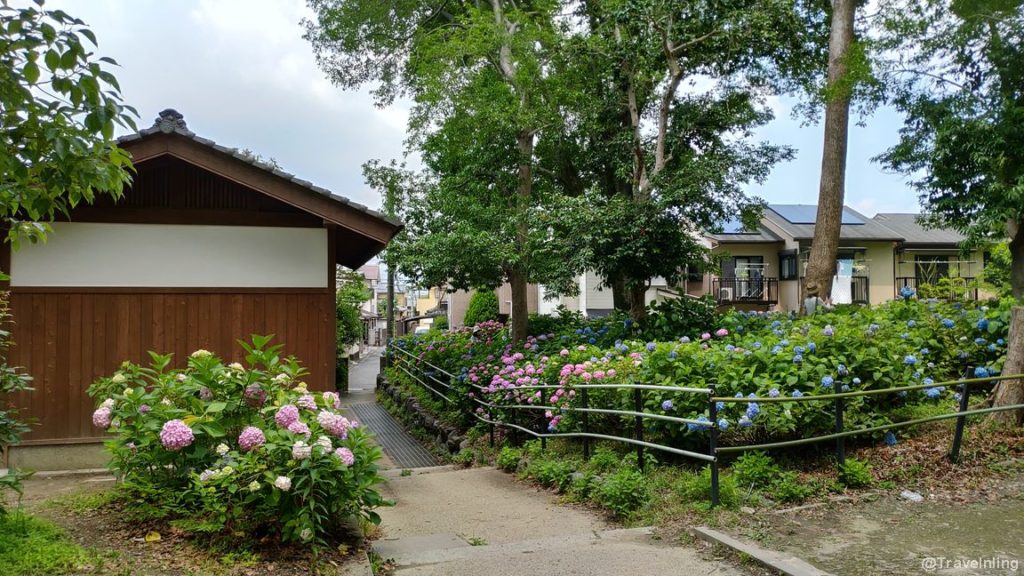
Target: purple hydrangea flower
(102,418)
(346,456)
(251,437)
(299,428)
(176,435)
(286,415)
(666,405)
(307,402)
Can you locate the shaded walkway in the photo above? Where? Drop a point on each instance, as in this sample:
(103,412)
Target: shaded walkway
(400,448)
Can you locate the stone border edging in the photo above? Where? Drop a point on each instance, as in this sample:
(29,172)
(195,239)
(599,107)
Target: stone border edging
(783,563)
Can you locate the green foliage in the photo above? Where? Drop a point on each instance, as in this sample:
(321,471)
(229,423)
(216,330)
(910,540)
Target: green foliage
(856,473)
(959,67)
(34,546)
(551,473)
(604,460)
(683,316)
(66,105)
(483,306)
(508,458)
(789,488)
(439,323)
(997,270)
(755,469)
(229,449)
(696,488)
(623,491)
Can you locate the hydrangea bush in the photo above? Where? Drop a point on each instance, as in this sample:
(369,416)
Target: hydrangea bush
(905,342)
(237,449)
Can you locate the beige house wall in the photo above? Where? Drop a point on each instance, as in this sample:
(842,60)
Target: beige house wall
(881,280)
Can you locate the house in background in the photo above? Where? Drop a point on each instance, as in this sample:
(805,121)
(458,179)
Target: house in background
(764,267)
(207,246)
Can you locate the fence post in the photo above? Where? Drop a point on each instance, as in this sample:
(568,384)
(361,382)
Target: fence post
(586,426)
(840,442)
(638,406)
(961,421)
(713,444)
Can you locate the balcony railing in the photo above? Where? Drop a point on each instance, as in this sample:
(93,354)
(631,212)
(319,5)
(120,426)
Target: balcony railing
(954,288)
(859,289)
(745,290)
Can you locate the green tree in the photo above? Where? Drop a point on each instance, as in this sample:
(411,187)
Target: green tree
(961,67)
(479,74)
(483,306)
(660,144)
(59,106)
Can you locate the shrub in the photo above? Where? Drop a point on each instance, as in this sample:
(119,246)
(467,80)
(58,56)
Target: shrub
(789,488)
(551,473)
(678,317)
(755,469)
(856,473)
(508,458)
(604,460)
(235,449)
(696,488)
(483,306)
(439,323)
(623,491)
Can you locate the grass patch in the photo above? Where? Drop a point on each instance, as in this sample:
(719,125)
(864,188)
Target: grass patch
(31,546)
(81,502)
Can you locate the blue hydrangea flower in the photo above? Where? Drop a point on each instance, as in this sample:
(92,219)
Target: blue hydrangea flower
(592,340)
(650,346)
(773,393)
(776,323)
(719,405)
(1000,342)
(992,348)
(751,395)
(703,424)
(856,381)
(798,359)
(799,350)
(753,409)
(828,331)
(745,422)
(797,394)
(905,335)
(911,323)
(723,424)
(933,393)
(928,381)
(983,324)
(730,348)
(776,349)
(916,375)
(778,332)
(666,405)
(842,370)
(890,439)
(673,355)
(981,372)
(756,345)
(812,347)
(909,360)
(874,328)
(906,292)
(979,341)
(784,343)
(902,393)
(827,381)
(947,323)
(844,388)
(685,340)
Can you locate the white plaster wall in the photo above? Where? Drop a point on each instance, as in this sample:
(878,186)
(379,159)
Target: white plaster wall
(159,255)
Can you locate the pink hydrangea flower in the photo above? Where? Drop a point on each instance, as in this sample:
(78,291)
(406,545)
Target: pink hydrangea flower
(286,415)
(101,418)
(251,437)
(299,428)
(335,424)
(705,336)
(332,399)
(176,435)
(346,456)
(205,393)
(721,333)
(306,402)
(145,409)
(254,395)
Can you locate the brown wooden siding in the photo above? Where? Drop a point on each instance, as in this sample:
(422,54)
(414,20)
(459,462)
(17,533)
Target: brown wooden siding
(66,340)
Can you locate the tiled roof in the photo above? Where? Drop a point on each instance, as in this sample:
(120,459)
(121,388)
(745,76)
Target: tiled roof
(907,226)
(171,121)
(762,234)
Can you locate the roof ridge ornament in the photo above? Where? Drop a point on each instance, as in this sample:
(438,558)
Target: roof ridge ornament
(170,120)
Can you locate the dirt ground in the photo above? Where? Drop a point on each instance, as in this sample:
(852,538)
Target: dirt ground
(68,501)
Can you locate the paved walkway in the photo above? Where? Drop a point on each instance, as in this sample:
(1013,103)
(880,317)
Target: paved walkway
(481,521)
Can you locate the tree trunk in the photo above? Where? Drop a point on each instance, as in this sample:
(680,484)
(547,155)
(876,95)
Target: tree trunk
(1016,233)
(518,276)
(638,301)
(1010,392)
(620,296)
(821,266)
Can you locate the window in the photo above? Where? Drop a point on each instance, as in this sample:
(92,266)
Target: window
(788,266)
(694,273)
(930,269)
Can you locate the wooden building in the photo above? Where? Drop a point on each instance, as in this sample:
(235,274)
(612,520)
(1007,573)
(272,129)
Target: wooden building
(207,246)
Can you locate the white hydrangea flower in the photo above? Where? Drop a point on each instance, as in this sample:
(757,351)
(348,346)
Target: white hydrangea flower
(325,443)
(118,378)
(181,377)
(108,403)
(283,483)
(236,367)
(301,387)
(254,486)
(222,449)
(202,353)
(306,535)
(167,402)
(280,378)
(301,450)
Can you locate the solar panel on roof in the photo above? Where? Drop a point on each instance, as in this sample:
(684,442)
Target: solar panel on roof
(808,214)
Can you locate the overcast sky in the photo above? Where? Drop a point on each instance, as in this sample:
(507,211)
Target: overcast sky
(242,75)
